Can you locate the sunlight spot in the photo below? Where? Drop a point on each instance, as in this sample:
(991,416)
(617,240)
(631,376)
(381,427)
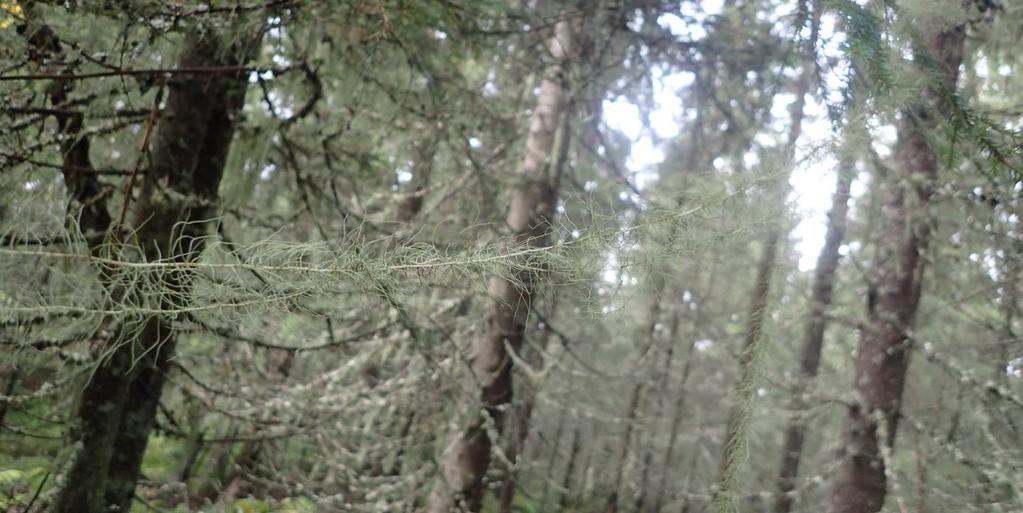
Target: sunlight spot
(812,189)
(623,117)
(267,172)
(1015,368)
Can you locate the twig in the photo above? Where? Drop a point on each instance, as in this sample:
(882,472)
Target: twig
(143,72)
(143,149)
(36,495)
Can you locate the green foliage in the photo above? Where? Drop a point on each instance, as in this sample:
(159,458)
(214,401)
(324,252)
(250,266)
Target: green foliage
(865,44)
(20,479)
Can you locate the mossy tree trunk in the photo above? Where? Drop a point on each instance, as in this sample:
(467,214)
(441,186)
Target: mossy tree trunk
(739,415)
(895,276)
(467,456)
(813,336)
(117,407)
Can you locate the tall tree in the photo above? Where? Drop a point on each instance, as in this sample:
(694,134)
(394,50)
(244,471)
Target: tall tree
(676,417)
(739,415)
(118,404)
(896,271)
(813,335)
(621,454)
(531,211)
(534,355)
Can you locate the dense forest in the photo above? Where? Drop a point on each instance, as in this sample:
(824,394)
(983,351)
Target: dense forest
(505,256)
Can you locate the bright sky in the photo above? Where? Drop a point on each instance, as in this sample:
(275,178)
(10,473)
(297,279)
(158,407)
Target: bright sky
(813,181)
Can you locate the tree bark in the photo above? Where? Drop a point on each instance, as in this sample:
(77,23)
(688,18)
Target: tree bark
(687,497)
(739,415)
(813,336)
(467,456)
(553,450)
(582,496)
(520,432)
(522,417)
(524,411)
(12,383)
(117,406)
(622,455)
(895,283)
(644,480)
(566,484)
(646,333)
(676,420)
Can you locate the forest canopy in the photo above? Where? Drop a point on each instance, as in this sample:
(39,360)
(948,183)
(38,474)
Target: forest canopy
(506,256)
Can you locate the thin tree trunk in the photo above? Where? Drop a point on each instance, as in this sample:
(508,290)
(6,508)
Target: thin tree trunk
(524,411)
(676,422)
(687,502)
(658,406)
(553,457)
(581,497)
(566,484)
(195,445)
(739,415)
(647,333)
(622,455)
(813,336)
(644,480)
(88,205)
(117,407)
(895,283)
(12,383)
(467,456)
(699,320)
(520,431)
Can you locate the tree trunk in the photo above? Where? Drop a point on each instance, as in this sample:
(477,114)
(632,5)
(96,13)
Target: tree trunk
(555,445)
(739,415)
(12,383)
(687,498)
(676,420)
(566,484)
(117,407)
(646,438)
(623,448)
(523,415)
(520,432)
(813,336)
(467,456)
(646,333)
(895,282)
(524,411)
(644,479)
(581,497)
